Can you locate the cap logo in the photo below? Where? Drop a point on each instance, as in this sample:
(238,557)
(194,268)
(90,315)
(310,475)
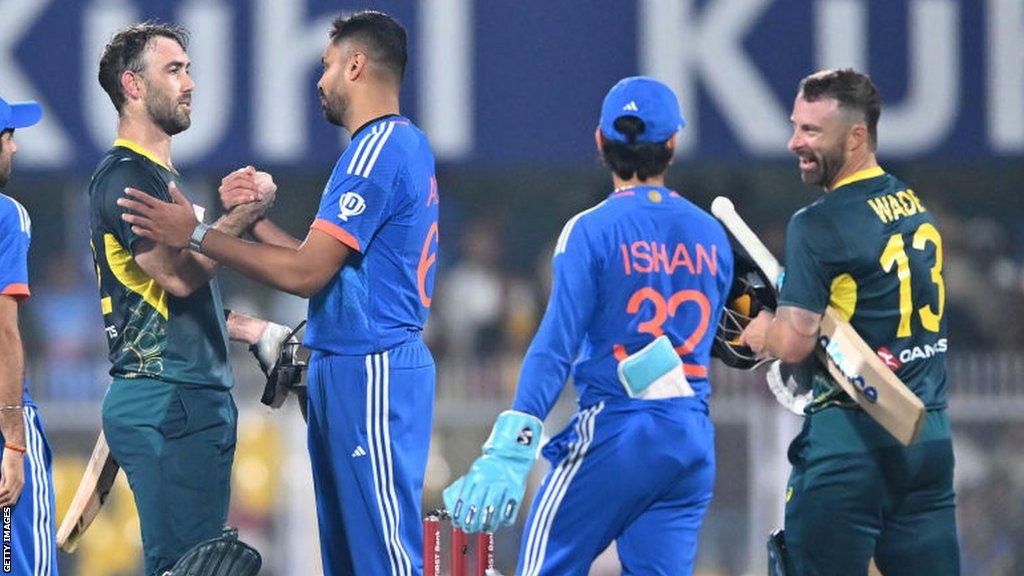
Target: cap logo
(631,107)
(350,204)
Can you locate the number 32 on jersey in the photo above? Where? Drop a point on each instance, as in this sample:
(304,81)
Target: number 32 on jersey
(665,308)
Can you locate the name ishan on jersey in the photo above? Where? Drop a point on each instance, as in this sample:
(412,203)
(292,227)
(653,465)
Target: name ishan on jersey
(892,207)
(645,257)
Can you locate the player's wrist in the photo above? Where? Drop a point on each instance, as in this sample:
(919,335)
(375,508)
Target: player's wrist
(516,435)
(16,448)
(198,235)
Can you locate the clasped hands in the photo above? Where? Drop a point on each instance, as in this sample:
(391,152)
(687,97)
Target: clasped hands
(246,195)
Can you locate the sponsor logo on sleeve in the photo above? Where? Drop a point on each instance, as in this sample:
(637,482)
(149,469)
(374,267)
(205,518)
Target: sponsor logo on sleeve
(351,204)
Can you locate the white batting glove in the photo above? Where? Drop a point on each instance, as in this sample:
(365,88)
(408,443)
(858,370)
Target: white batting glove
(268,348)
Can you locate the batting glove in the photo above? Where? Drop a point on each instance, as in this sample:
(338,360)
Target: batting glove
(268,348)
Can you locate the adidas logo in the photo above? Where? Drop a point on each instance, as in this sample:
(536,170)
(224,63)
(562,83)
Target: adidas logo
(631,107)
(358,452)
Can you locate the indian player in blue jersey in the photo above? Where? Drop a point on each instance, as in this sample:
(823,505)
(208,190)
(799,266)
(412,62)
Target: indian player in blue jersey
(639,285)
(26,479)
(367,266)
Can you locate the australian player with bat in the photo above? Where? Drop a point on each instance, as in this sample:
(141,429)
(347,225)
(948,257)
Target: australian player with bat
(869,248)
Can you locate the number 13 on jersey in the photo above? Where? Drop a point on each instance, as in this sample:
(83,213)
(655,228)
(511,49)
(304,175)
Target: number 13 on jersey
(895,256)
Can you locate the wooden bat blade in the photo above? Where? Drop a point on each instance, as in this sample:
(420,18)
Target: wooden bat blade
(851,362)
(92,492)
(866,379)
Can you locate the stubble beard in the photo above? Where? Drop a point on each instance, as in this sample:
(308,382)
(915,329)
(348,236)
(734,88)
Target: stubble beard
(166,113)
(334,108)
(828,166)
(5,169)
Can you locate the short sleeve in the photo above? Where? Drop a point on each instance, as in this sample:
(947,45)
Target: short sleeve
(352,209)
(15,238)
(125,174)
(813,254)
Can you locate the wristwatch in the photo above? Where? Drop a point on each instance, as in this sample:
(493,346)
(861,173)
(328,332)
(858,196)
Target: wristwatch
(195,241)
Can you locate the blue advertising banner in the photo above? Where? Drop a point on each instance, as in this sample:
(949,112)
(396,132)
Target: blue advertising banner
(503,82)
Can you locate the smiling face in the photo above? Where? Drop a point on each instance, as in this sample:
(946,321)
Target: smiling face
(168,86)
(820,131)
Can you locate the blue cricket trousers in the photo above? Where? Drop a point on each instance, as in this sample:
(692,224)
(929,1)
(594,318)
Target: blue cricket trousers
(640,472)
(32,545)
(370,420)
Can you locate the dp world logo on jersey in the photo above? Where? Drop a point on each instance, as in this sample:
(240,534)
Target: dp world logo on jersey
(350,204)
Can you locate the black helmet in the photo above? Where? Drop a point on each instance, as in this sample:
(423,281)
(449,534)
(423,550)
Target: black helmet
(751,292)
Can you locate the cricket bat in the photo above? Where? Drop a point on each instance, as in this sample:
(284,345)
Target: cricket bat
(91,494)
(851,362)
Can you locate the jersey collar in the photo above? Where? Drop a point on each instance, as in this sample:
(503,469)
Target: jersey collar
(865,174)
(140,150)
(377,119)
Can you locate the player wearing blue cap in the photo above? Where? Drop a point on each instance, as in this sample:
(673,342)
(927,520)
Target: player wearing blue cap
(367,266)
(26,479)
(639,285)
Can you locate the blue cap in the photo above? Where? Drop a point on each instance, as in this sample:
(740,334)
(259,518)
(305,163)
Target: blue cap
(648,100)
(19,114)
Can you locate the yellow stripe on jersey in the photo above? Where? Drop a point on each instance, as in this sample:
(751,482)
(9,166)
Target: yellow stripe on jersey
(138,149)
(106,305)
(128,273)
(843,295)
(860,175)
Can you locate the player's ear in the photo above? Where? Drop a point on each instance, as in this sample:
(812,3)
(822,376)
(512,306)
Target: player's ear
(671,145)
(598,139)
(857,137)
(355,66)
(131,84)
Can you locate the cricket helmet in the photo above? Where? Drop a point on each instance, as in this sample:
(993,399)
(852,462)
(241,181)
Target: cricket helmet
(751,292)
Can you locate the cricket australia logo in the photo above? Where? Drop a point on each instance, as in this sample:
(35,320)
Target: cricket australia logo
(350,204)
(843,364)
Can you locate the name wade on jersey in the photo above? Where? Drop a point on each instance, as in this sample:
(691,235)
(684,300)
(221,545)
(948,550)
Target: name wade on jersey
(645,257)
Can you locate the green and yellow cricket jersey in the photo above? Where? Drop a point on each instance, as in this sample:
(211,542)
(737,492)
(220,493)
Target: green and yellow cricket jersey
(871,249)
(151,333)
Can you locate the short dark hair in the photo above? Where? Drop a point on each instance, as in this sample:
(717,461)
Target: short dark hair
(643,159)
(383,36)
(852,90)
(125,52)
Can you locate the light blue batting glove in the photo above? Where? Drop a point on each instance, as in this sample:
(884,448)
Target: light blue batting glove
(489,495)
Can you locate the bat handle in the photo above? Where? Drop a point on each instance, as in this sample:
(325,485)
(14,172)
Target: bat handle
(725,211)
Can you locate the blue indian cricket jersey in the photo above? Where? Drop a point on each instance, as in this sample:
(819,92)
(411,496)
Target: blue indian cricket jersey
(382,202)
(15,238)
(642,263)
